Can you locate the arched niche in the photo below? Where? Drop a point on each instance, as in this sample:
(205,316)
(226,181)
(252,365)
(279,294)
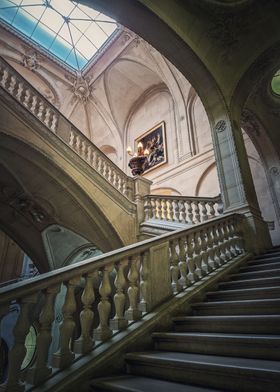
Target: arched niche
(208,184)
(165,191)
(111,152)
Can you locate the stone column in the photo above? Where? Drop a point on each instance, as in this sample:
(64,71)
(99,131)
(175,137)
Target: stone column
(236,183)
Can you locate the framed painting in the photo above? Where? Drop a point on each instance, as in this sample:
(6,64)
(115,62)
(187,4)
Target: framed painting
(154,141)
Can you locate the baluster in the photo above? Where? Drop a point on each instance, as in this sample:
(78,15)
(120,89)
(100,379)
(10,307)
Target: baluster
(147,208)
(5,78)
(89,154)
(189,211)
(144,282)
(100,165)
(64,356)
(117,181)
(176,210)
(54,122)
(40,113)
(221,244)
(196,211)
(204,251)
(238,241)
(34,104)
(220,207)
(217,252)
(41,371)
(119,322)
(184,280)
(125,188)
(226,241)
(94,160)
(190,258)
(18,351)
(12,85)
(203,211)
(85,342)
(47,117)
(182,211)
(84,149)
(159,208)
(154,208)
(120,183)
(27,98)
(72,139)
(133,312)
(170,210)
(231,239)
(197,256)
(210,250)
(163,209)
(103,331)
(19,92)
(174,268)
(211,209)
(106,170)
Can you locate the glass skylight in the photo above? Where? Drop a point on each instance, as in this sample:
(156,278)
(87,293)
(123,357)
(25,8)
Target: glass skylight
(275,83)
(70,31)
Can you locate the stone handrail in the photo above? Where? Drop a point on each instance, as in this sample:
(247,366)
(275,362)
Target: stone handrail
(13,83)
(117,288)
(182,209)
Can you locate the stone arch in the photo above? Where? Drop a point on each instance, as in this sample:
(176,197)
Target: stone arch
(207,177)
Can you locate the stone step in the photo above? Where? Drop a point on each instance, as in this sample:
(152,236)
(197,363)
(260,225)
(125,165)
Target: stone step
(127,383)
(249,307)
(226,373)
(268,260)
(260,267)
(255,274)
(255,324)
(244,294)
(246,283)
(268,255)
(237,345)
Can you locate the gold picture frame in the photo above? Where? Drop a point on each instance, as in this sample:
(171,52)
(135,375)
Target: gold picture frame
(154,140)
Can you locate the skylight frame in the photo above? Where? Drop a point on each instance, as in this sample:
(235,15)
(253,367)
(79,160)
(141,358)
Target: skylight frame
(82,57)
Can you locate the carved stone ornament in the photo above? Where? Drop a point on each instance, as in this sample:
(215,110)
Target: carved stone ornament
(30,209)
(220,126)
(274,171)
(30,61)
(250,123)
(80,87)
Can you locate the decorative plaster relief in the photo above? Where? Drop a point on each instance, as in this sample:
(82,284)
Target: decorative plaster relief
(274,171)
(220,126)
(30,61)
(80,87)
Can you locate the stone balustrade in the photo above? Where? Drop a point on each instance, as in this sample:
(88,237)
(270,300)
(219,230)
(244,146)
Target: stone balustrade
(115,290)
(13,83)
(182,209)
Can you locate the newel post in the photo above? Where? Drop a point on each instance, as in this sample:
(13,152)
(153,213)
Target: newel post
(155,285)
(142,188)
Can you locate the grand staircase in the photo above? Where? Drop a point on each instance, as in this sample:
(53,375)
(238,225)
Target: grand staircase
(229,342)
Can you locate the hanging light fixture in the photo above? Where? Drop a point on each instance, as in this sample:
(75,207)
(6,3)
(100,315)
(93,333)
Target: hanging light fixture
(139,157)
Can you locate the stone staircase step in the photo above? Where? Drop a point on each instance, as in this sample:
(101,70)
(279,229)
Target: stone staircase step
(268,260)
(238,345)
(268,255)
(255,274)
(260,267)
(252,293)
(258,324)
(246,283)
(127,383)
(243,307)
(227,373)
